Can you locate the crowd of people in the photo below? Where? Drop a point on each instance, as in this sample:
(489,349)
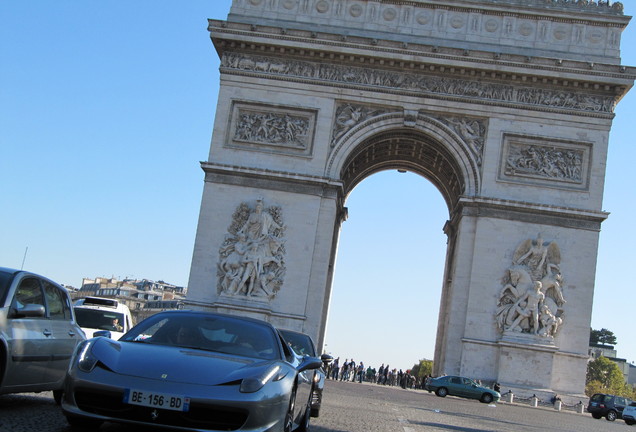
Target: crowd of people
(349,370)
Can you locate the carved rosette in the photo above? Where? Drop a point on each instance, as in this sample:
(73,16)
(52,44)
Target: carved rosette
(252,257)
(531,300)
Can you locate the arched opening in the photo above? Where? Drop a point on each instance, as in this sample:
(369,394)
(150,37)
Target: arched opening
(410,150)
(400,185)
(389,270)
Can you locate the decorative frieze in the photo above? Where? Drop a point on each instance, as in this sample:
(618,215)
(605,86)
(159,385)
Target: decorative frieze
(545,161)
(276,129)
(430,85)
(252,257)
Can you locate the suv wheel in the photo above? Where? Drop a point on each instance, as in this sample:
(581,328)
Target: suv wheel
(611,415)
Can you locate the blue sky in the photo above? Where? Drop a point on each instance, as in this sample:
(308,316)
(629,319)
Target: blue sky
(106,109)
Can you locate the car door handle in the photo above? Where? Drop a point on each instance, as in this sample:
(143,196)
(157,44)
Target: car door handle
(71,333)
(47,332)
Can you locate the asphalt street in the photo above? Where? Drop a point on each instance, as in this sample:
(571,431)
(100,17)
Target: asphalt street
(354,407)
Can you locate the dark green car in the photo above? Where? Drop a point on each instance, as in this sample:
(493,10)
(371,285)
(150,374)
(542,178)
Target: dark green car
(462,387)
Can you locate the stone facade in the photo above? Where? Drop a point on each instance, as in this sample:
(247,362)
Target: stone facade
(505,106)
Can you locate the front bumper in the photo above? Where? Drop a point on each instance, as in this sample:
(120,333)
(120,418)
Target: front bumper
(99,395)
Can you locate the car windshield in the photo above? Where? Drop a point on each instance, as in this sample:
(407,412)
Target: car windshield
(99,319)
(300,343)
(216,333)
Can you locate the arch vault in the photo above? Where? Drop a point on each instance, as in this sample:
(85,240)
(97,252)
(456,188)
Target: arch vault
(505,107)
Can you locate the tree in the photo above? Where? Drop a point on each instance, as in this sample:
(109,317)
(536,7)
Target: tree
(602,337)
(604,376)
(422,369)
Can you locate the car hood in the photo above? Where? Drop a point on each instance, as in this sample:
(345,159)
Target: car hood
(174,364)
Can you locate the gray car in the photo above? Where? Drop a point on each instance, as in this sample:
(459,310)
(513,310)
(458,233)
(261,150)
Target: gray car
(38,333)
(302,344)
(188,370)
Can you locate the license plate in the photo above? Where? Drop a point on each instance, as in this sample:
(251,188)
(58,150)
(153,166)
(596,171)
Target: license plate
(156,400)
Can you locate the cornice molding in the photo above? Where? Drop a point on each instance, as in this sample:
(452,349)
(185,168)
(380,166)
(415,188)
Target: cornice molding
(383,52)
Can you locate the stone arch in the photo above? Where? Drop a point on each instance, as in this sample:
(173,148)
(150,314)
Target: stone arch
(515,145)
(422,144)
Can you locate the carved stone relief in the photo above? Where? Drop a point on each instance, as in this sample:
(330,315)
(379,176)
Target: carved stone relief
(531,300)
(427,84)
(471,130)
(528,159)
(348,116)
(270,128)
(252,257)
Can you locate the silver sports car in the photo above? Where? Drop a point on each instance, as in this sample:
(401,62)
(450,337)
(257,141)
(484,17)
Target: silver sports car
(187,370)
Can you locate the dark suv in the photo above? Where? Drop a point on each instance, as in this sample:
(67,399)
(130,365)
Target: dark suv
(606,405)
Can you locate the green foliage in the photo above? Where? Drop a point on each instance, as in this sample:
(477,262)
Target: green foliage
(602,337)
(604,376)
(423,368)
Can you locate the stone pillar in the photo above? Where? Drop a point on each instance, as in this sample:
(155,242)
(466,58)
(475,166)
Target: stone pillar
(509,397)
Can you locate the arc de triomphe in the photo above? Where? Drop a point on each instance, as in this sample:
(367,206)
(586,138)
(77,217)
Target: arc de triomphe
(504,105)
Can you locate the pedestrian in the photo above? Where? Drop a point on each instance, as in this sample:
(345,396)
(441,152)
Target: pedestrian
(380,374)
(335,369)
(344,372)
(360,371)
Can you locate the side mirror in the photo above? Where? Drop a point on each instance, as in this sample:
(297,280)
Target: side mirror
(326,358)
(30,311)
(102,333)
(309,362)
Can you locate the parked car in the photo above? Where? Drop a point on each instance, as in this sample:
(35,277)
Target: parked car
(38,333)
(98,314)
(606,405)
(303,345)
(191,370)
(629,413)
(462,387)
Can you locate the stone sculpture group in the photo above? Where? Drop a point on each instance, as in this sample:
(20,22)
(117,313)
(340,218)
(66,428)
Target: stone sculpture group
(531,300)
(251,259)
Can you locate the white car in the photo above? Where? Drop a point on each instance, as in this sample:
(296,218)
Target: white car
(95,314)
(629,414)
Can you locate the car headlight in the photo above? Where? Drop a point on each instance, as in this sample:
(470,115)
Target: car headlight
(86,360)
(254,384)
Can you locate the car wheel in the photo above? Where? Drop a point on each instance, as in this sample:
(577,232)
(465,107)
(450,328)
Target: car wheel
(611,415)
(441,392)
(630,422)
(289,417)
(57,395)
(83,422)
(486,398)
(596,416)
